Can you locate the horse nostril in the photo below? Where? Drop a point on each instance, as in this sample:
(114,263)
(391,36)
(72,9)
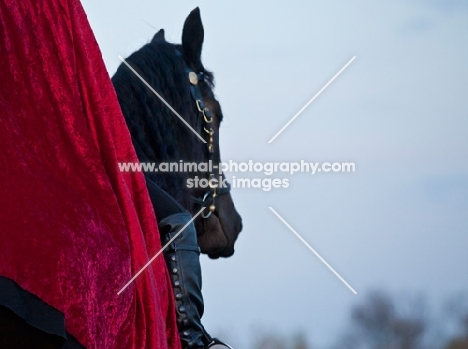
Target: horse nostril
(240,226)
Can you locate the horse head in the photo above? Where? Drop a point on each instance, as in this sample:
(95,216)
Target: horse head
(177,74)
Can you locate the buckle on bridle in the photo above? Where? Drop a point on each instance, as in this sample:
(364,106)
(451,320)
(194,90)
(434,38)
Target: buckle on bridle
(207,116)
(211,208)
(200,105)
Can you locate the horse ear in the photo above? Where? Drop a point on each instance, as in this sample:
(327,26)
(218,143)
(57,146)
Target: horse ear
(192,37)
(159,36)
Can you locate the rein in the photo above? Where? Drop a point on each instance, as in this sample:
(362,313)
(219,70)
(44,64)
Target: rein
(214,190)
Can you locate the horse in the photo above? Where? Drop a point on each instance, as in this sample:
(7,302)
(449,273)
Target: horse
(160,137)
(166,96)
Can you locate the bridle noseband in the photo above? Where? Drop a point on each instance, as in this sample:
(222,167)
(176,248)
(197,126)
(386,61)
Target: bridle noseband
(208,198)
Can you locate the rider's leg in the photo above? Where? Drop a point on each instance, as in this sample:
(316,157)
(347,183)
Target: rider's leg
(182,258)
(183,261)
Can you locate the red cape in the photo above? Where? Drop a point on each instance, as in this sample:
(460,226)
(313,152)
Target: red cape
(73,229)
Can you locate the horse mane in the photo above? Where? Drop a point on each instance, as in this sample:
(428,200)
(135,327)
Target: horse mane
(157,134)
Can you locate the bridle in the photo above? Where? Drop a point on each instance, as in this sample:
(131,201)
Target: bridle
(204,114)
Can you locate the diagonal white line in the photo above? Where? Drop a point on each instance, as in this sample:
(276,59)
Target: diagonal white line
(313,98)
(160,251)
(162,99)
(310,248)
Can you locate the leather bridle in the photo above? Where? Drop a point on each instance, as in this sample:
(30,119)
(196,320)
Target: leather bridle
(208,199)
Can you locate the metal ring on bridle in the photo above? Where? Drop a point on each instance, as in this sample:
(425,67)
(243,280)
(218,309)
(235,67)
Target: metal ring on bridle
(204,199)
(205,117)
(210,131)
(200,105)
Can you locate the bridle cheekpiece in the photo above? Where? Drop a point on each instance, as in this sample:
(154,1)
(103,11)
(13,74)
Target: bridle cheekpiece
(208,199)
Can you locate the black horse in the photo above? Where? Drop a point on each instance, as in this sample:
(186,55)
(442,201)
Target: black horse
(176,73)
(158,134)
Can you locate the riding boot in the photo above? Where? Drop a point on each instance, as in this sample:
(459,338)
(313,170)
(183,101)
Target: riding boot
(183,262)
(182,258)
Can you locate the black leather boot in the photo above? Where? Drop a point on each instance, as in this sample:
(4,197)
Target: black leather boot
(182,259)
(183,262)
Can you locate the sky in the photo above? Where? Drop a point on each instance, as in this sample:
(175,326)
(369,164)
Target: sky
(399,111)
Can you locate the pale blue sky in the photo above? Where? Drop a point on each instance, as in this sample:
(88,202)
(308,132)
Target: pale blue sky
(399,111)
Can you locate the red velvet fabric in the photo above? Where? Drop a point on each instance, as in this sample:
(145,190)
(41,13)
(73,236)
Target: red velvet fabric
(73,229)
